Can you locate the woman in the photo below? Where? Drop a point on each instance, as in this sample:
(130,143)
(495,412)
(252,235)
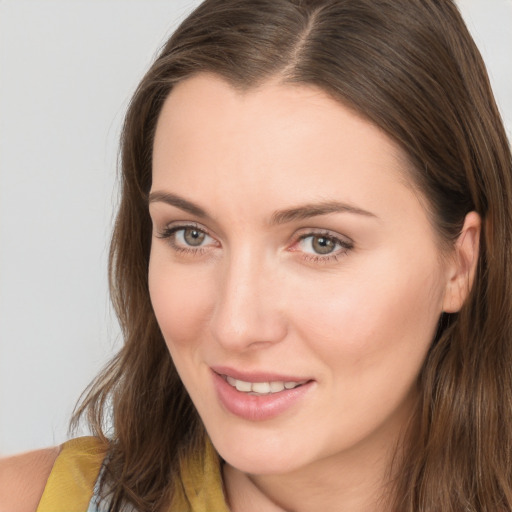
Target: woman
(311,266)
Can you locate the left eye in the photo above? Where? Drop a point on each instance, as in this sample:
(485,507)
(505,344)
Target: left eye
(321,244)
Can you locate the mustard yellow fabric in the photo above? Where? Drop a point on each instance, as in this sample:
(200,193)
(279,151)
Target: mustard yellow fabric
(71,483)
(201,487)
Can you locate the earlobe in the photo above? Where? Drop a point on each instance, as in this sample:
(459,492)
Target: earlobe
(463,266)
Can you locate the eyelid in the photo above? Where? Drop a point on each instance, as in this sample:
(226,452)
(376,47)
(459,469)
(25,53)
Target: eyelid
(177,225)
(305,232)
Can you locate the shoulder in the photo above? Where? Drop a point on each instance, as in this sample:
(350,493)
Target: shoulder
(23,478)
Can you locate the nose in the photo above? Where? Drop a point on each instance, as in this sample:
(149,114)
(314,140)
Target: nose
(249,312)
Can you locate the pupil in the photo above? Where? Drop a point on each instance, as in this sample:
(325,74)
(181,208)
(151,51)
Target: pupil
(194,237)
(323,245)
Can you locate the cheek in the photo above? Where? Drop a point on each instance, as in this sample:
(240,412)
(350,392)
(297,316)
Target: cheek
(383,312)
(181,302)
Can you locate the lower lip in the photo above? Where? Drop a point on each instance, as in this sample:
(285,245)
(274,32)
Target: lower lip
(257,407)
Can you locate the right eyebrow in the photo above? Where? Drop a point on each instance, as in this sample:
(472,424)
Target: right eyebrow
(178,202)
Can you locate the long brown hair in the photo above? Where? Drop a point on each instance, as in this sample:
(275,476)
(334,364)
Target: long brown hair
(411,68)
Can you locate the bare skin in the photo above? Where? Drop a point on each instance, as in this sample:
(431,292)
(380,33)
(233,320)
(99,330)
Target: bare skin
(259,276)
(23,478)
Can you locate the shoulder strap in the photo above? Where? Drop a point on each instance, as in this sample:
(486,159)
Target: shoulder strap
(71,482)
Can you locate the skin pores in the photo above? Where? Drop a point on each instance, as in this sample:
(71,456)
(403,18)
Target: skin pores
(289,245)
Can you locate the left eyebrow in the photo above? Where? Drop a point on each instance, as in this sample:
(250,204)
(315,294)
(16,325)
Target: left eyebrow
(312,210)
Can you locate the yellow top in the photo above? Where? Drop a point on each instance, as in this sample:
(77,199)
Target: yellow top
(70,485)
(71,482)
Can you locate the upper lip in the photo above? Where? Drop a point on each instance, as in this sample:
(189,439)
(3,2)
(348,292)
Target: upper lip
(257,376)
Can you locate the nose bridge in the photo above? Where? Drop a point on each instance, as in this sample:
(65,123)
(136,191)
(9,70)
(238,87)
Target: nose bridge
(248,308)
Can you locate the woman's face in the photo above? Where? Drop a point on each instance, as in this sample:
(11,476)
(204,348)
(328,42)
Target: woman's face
(294,272)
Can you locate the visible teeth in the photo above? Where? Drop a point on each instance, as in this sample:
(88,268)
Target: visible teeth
(275,387)
(261,388)
(243,386)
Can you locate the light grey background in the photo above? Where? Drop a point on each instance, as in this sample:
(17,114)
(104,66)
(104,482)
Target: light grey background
(67,70)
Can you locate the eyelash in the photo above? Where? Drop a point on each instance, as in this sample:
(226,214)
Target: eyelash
(345,246)
(169,234)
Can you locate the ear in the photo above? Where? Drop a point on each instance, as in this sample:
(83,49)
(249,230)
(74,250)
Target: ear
(462,264)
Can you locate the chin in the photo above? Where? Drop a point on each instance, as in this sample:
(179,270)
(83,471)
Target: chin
(257,457)
(257,465)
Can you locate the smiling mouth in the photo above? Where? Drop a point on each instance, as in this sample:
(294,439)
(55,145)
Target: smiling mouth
(262,388)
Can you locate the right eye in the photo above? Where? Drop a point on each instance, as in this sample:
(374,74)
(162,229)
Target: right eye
(188,238)
(192,237)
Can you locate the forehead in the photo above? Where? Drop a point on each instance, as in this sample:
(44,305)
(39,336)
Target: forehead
(287,143)
(291,109)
